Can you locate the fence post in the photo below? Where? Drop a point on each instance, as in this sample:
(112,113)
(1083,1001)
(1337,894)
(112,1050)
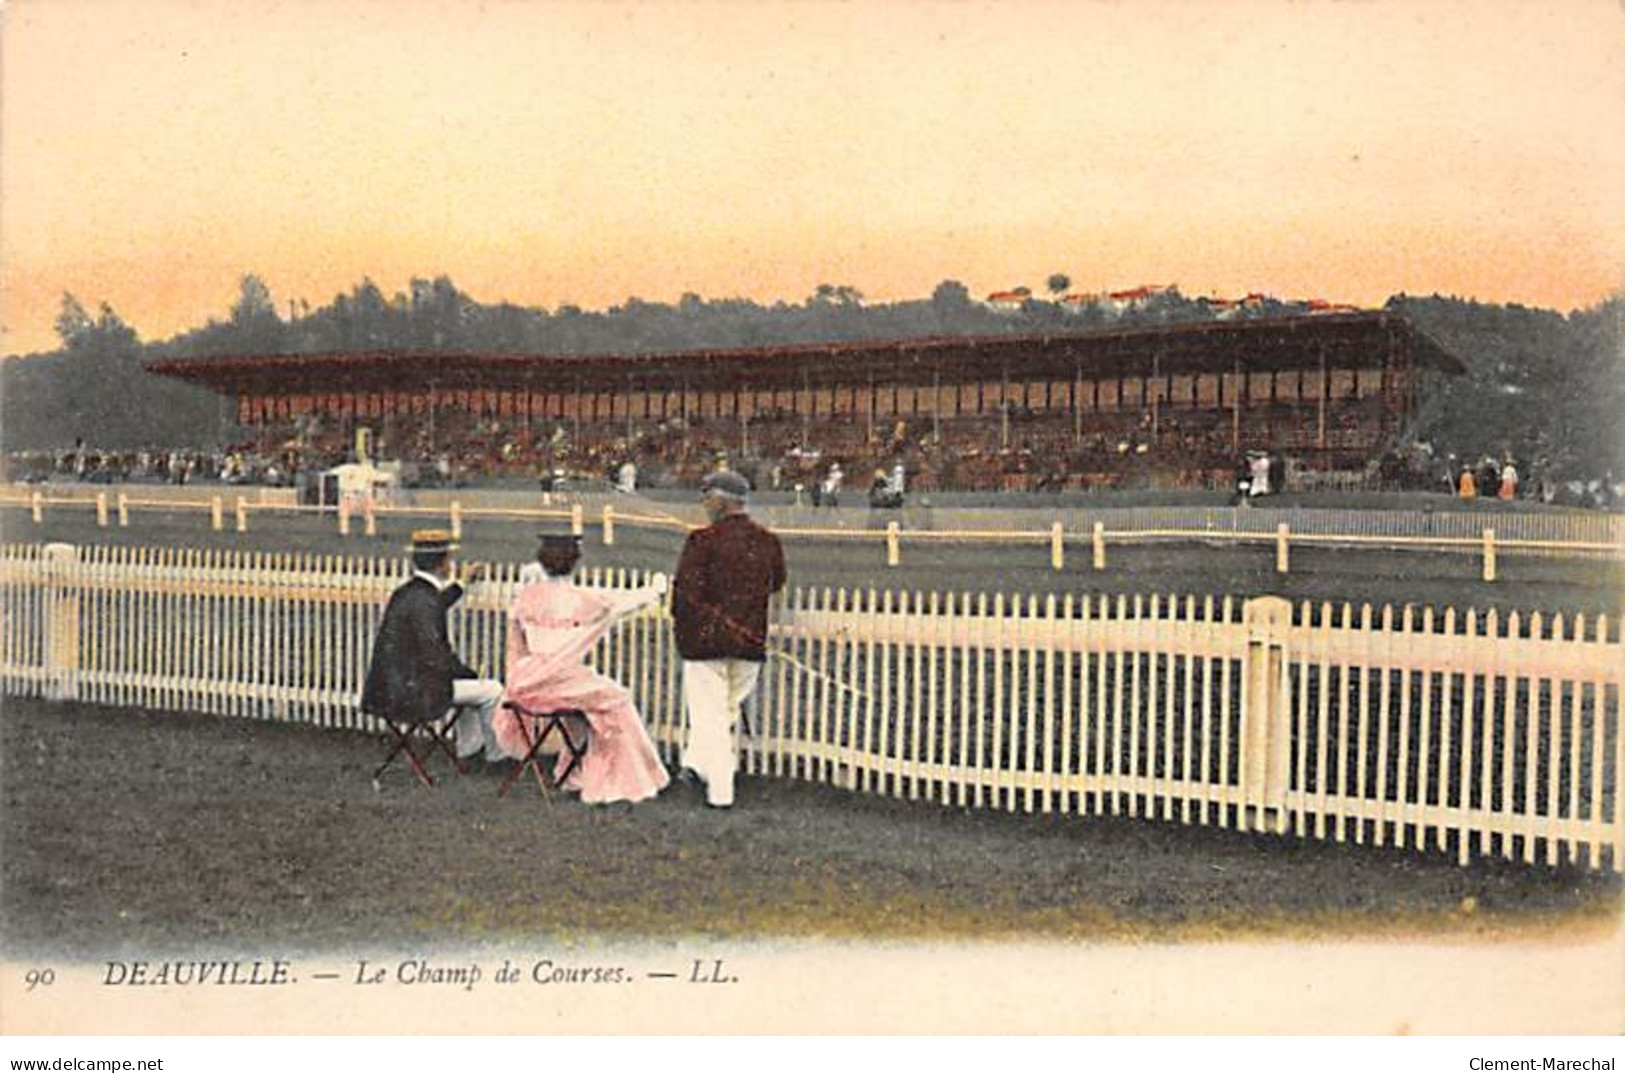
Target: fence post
(577,525)
(123,510)
(1057,551)
(217,514)
(1281,553)
(456,520)
(101,509)
(37,502)
(242,515)
(1100,545)
(894,549)
(61,623)
(1266,714)
(1489,555)
(609,525)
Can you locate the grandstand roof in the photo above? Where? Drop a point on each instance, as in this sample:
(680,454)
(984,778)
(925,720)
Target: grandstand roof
(1352,340)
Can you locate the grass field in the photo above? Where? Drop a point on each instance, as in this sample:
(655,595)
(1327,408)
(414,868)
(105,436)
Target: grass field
(130,830)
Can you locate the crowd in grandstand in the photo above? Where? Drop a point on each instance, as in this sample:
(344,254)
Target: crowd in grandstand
(1011,452)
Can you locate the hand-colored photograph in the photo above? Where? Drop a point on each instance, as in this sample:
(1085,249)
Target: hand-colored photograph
(807,518)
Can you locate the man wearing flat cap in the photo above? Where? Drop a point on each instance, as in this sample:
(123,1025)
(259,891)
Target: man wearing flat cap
(727,574)
(415,676)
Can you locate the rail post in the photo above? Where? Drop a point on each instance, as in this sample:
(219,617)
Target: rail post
(894,545)
(370,527)
(217,514)
(456,520)
(61,623)
(1281,553)
(1057,548)
(1100,545)
(609,526)
(123,511)
(1266,713)
(577,522)
(242,515)
(1489,555)
(37,503)
(101,509)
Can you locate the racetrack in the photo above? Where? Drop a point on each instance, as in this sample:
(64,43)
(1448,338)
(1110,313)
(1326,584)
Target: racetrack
(1360,574)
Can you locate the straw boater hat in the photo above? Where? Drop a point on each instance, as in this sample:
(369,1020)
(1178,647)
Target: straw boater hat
(432,540)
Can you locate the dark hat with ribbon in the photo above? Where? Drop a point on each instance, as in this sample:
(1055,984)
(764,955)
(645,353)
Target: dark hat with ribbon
(726,482)
(559,552)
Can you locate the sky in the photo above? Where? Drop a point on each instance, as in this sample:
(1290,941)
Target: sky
(153,152)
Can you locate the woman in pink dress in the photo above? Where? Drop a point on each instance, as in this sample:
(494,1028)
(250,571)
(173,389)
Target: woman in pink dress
(551,628)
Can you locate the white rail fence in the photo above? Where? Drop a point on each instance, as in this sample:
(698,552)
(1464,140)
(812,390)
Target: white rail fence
(1584,536)
(1473,735)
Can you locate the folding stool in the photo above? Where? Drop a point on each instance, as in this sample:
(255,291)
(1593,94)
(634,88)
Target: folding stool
(536,727)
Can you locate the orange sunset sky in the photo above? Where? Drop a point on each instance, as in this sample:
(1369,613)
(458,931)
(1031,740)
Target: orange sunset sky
(152,152)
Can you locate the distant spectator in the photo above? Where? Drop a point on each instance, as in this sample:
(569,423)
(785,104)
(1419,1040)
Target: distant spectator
(832,486)
(1468,487)
(1509,482)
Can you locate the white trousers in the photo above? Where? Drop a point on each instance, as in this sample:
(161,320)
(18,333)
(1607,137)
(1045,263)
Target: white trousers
(713,690)
(481,696)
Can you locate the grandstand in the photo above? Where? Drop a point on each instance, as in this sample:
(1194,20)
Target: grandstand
(1166,406)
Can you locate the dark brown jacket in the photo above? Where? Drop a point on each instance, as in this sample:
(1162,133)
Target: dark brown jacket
(727,573)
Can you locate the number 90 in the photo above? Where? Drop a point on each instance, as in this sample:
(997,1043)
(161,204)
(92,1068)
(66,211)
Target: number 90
(39,978)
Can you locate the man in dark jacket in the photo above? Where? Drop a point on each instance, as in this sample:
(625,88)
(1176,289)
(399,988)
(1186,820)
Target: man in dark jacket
(727,574)
(415,677)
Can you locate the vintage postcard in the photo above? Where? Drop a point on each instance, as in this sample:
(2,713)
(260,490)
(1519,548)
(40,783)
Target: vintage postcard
(1090,518)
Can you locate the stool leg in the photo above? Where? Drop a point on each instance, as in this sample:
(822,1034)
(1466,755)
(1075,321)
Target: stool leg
(533,742)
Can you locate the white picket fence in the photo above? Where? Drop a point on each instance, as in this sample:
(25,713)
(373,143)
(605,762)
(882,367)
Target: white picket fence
(1475,735)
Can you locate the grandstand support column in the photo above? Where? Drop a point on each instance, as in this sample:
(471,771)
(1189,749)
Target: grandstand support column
(1156,396)
(869,414)
(1004,406)
(434,405)
(936,406)
(1235,410)
(1320,404)
(61,623)
(806,408)
(1077,401)
(1266,714)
